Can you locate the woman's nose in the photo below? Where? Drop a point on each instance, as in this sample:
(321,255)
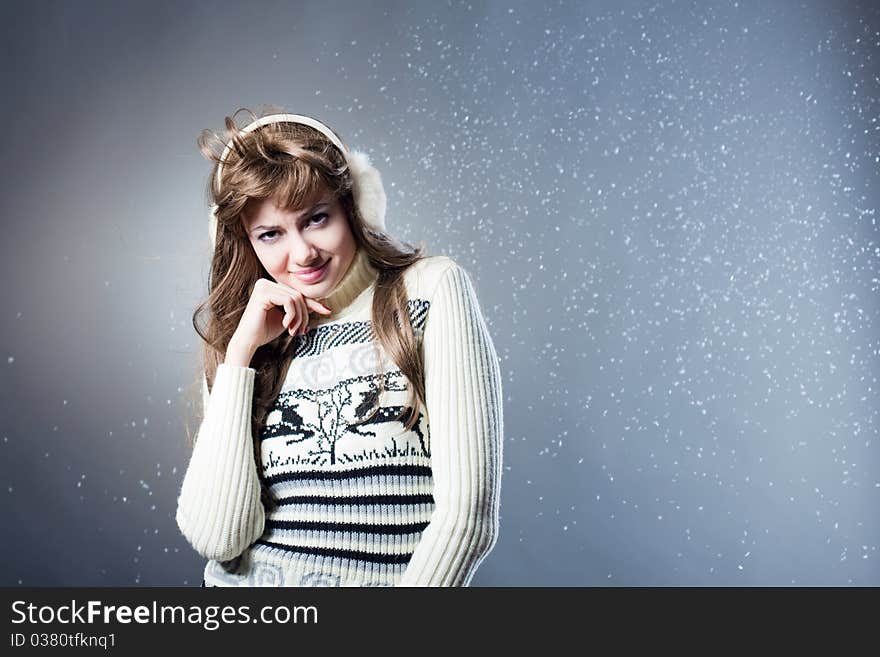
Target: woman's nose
(302,253)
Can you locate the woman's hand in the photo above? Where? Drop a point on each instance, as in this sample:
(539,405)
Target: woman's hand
(262,321)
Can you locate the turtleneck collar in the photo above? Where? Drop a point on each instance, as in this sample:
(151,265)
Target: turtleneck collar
(349,292)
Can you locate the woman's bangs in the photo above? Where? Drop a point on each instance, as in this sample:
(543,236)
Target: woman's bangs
(299,186)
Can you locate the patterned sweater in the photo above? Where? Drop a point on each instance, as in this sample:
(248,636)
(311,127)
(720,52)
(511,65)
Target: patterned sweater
(365,505)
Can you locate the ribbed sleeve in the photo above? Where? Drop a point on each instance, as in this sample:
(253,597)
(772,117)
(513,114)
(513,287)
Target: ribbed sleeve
(464,407)
(219,510)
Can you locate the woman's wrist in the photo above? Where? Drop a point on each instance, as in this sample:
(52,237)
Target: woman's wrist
(238,354)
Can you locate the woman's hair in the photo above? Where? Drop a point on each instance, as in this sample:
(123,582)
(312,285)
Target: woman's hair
(295,162)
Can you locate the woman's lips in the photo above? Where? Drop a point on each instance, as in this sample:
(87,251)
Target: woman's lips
(314,275)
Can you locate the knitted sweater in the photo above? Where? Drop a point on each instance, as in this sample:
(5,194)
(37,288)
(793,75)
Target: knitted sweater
(365,505)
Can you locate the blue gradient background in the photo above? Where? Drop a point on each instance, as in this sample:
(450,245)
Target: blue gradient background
(668,210)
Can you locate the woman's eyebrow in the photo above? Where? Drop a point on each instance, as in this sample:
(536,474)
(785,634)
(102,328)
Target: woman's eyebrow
(303,214)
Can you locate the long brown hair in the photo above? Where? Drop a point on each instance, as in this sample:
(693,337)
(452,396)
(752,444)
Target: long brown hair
(295,162)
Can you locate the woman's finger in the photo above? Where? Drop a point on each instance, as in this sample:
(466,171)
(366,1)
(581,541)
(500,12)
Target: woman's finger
(316,305)
(290,314)
(311,304)
(305,316)
(276,297)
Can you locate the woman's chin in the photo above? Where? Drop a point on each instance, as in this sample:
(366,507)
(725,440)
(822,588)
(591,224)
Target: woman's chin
(315,290)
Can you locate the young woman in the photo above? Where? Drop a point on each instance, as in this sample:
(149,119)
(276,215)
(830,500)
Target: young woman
(352,413)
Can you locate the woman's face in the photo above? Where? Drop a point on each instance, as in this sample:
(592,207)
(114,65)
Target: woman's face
(292,244)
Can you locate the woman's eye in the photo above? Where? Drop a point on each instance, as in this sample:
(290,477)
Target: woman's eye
(316,220)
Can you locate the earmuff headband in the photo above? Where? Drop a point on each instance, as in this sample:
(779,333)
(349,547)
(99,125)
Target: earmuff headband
(280,118)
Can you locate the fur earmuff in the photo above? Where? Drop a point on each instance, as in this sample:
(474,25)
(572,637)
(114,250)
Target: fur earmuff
(369,194)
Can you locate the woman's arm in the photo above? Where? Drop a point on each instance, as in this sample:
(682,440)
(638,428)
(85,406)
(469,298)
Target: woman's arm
(219,509)
(464,404)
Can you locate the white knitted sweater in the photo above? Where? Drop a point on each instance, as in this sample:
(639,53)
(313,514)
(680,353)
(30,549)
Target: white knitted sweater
(367,505)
